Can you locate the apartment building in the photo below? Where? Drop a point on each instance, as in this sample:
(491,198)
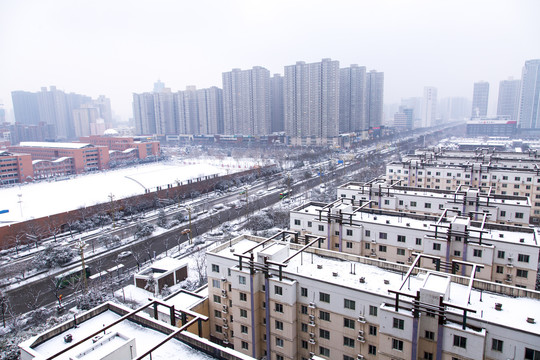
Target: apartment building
(288,297)
(14,167)
(465,201)
(508,254)
(506,173)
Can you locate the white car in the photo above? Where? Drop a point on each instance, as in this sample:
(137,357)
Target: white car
(124,254)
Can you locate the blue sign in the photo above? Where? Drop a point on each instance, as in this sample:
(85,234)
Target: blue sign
(4,211)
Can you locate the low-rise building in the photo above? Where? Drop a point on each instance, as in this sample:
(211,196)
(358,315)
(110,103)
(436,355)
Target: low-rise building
(167,271)
(287,297)
(508,254)
(465,200)
(15,167)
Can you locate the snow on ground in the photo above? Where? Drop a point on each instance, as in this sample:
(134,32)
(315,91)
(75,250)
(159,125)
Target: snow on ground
(44,198)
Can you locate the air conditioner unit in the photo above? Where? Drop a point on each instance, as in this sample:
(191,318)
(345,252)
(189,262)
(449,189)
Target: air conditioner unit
(311,354)
(312,305)
(311,323)
(225,310)
(224,320)
(312,335)
(508,278)
(312,341)
(224,293)
(510,259)
(361,339)
(225,326)
(225,342)
(360,332)
(409,260)
(361,319)
(360,357)
(311,317)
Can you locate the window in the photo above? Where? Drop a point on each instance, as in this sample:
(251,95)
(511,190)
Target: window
(216,283)
(500,269)
(367,246)
(278,290)
(348,323)
(245,345)
(324,297)
(296,222)
(477,252)
(523,258)
(372,330)
(519,215)
(348,244)
(397,344)
(243,296)
(413,203)
(531,354)
(372,350)
(500,254)
(347,341)
(400,202)
(496,345)
(372,310)
(279,308)
(243,313)
(457,253)
(219,329)
(215,268)
(323,315)
(401,251)
(279,325)
(349,304)
(324,351)
(460,341)
(279,342)
(243,329)
(383,235)
(428,355)
(304,327)
(217,299)
(324,334)
(347,357)
(242,280)
(427,205)
(368,233)
(430,335)
(303,291)
(401,238)
(303,309)
(503,213)
(522,273)
(217,313)
(436,246)
(321,227)
(304,344)
(398,323)
(349,232)
(418,241)
(279,357)
(382,248)
(386,202)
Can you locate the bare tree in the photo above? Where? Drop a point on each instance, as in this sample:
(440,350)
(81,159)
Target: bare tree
(199,258)
(53,228)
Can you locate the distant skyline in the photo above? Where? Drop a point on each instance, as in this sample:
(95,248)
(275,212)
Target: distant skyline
(117,48)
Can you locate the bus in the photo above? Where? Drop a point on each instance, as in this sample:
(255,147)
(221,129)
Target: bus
(283,195)
(71,277)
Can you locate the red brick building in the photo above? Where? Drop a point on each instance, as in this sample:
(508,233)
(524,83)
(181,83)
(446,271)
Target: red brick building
(15,168)
(121,147)
(85,157)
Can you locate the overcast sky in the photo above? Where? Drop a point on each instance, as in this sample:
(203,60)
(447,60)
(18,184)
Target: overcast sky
(117,47)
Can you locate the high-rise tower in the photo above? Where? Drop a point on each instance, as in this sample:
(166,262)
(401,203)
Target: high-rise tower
(276,103)
(529,104)
(480,99)
(311,96)
(352,99)
(374,98)
(429,106)
(246,101)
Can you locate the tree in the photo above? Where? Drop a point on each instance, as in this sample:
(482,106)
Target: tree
(53,256)
(162,218)
(143,230)
(199,258)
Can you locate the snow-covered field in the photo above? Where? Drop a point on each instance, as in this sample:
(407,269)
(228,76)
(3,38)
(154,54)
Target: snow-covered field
(44,198)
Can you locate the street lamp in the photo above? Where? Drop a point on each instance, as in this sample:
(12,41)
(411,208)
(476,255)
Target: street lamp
(81,244)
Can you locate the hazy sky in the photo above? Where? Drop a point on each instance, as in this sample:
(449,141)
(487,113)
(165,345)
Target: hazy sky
(117,47)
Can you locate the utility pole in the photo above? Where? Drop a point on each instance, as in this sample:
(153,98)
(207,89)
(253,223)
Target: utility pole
(189,218)
(111,198)
(81,245)
(247,203)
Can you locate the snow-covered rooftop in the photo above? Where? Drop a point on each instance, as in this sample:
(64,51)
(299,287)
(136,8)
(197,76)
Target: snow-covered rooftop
(167,264)
(521,237)
(335,268)
(145,339)
(51,145)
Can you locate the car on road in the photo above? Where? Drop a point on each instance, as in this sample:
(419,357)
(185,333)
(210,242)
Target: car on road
(124,254)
